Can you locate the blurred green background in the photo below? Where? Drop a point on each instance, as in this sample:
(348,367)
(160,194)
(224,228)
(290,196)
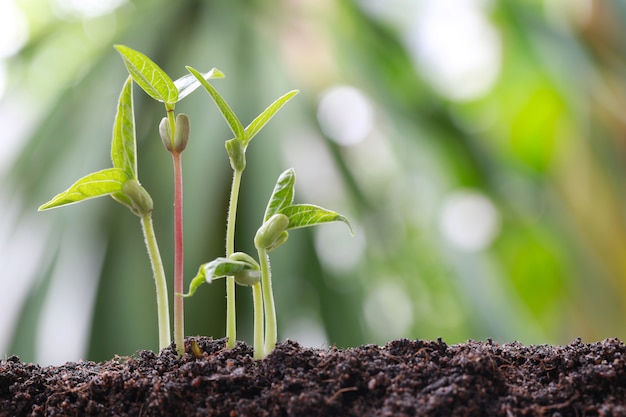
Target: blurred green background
(478,146)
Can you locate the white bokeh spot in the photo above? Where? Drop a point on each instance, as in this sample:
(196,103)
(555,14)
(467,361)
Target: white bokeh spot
(456,47)
(345,115)
(469,221)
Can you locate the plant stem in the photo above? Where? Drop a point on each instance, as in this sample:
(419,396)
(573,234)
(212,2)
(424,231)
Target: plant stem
(268,303)
(257,301)
(179,318)
(163,308)
(231,312)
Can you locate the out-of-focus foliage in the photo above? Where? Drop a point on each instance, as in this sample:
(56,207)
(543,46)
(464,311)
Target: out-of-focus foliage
(476,145)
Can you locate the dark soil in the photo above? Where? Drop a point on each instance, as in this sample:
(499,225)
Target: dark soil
(403,378)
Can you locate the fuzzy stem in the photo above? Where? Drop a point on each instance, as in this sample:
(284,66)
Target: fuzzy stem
(179,318)
(231,312)
(268,303)
(163,308)
(257,300)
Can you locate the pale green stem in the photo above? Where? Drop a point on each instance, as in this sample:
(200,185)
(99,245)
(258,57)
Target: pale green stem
(257,301)
(271,330)
(231,312)
(163,308)
(172,122)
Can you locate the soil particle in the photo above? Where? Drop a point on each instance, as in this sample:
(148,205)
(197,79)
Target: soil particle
(402,378)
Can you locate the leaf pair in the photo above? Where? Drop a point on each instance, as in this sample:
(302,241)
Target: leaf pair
(299,215)
(243,135)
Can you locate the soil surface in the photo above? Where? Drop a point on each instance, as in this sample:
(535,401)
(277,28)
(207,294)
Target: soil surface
(402,378)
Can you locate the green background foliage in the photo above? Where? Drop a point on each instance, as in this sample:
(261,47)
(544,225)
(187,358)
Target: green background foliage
(535,161)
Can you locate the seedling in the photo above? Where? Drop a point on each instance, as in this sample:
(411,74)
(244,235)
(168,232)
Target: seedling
(122,183)
(281,215)
(236,149)
(174,134)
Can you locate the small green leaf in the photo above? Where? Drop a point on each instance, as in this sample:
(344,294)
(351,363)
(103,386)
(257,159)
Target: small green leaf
(222,267)
(218,268)
(261,120)
(227,112)
(188,83)
(123,145)
(148,75)
(107,181)
(283,193)
(198,280)
(305,215)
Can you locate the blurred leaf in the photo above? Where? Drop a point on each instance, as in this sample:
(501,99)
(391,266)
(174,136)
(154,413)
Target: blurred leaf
(188,83)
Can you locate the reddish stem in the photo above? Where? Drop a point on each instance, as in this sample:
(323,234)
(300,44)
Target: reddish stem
(179,319)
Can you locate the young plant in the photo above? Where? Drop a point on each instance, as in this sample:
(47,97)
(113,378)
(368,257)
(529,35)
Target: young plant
(122,183)
(281,215)
(174,132)
(236,149)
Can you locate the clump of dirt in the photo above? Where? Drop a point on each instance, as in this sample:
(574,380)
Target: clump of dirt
(402,378)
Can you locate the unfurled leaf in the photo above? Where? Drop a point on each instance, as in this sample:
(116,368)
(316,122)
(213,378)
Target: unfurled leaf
(188,83)
(261,120)
(148,75)
(304,215)
(283,194)
(123,145)
(232,120)
(105,182)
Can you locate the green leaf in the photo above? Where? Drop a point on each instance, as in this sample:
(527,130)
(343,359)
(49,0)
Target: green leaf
(188,83)
(107,181)
(218,268)
(261,120)
(148,75)
(123,145)
(305,215)
(232,120)
(283,194)
(198,280)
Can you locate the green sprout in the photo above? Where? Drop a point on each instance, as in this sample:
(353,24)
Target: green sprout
(236,149)
(122,183)
(281,215)
(174,132)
